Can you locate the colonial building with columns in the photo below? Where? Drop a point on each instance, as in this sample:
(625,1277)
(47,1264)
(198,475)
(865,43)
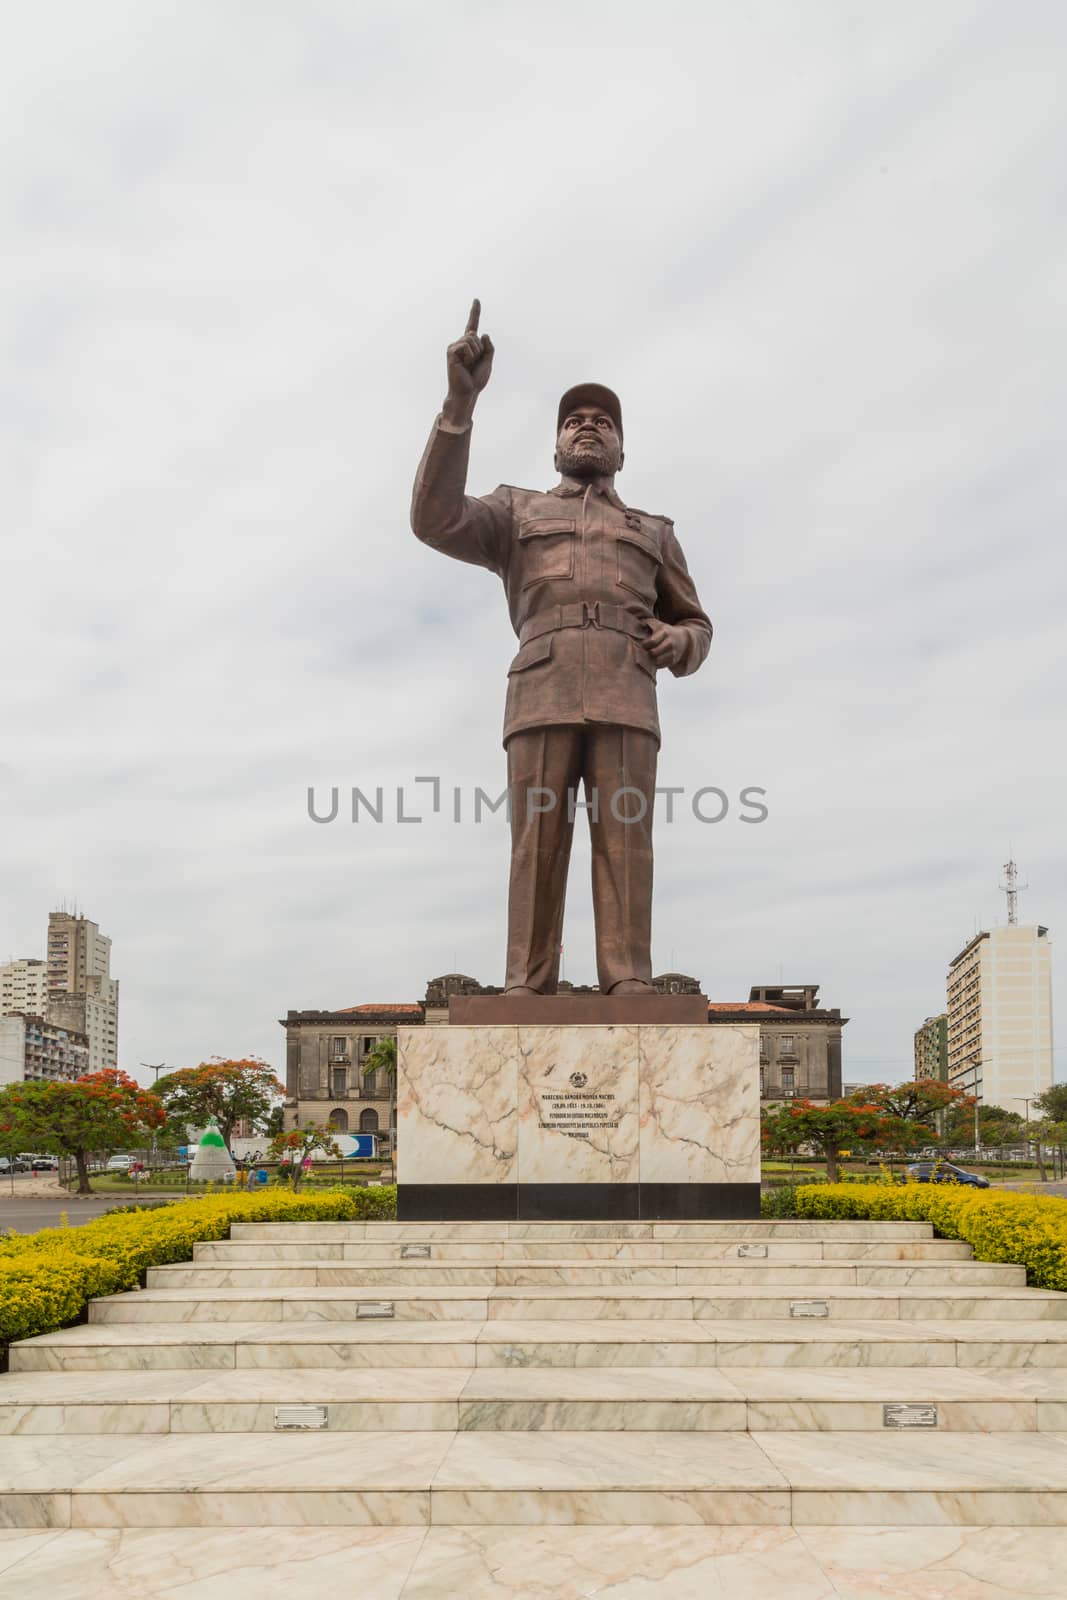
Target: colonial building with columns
(326,1051)
(326,1076)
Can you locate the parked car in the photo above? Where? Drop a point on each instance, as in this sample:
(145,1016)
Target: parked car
(945,1172)
(119,1164)
(10,1164)
(42,1163)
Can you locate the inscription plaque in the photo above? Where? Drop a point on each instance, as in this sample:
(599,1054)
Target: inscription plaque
(809,1308)
(288,1418)
(909,1416)
(578,1115)
(752,1251)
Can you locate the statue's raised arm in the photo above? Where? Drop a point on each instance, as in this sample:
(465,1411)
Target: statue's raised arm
(443,515)
(470,361)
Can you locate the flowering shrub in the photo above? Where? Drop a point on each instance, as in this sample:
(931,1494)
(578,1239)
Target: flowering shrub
(297,1147)
(48,1278)
(1028,1229)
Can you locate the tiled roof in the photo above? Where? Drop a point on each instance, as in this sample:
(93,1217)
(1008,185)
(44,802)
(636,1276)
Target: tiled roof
(759,1006)
(408,1010)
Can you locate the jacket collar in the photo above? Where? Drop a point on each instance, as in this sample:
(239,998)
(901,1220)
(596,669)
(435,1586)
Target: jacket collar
(569,487)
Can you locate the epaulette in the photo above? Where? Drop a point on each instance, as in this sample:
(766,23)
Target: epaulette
(654,516)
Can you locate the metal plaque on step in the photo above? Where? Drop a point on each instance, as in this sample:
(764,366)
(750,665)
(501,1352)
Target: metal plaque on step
(289,1417)
(375,1308)
(809,1308)
(755,1251)
(415,1252)
(902,1416)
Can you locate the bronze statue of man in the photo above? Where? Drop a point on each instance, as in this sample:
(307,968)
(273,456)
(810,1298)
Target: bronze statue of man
(601,598)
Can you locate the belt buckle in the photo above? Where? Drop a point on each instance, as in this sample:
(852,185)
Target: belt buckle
(591,614)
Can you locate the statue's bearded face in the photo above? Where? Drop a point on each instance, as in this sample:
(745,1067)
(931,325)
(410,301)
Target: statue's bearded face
(588,445)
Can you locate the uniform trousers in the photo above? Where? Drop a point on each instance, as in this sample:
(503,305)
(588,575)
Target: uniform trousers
(616,769)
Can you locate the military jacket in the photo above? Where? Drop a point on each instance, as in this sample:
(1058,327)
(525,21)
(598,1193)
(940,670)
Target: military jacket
(584,575)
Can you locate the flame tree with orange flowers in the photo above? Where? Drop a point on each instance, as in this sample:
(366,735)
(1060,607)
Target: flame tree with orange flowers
(106,1110)
(840,1125)
(226,1090)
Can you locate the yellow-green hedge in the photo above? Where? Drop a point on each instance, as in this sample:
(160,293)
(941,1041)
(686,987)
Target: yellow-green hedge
(1028,1229)
(48,1278)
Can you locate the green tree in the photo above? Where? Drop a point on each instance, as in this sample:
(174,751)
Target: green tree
(300,1144)
(1053,1103)
(841,1125)
(105,1110)
(225,1090)
(383,1060)
(995,1126)
(1038,1133)
(1058,1140)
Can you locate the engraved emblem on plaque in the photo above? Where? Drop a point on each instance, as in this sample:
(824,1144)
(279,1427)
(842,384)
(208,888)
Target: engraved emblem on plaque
(753,1251)
(809,1308)
(286,1418)
(909,1416)
(578,1080)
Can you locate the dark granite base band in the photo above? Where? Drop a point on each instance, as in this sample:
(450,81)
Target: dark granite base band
(577,1202)
(550,1010)
(457,1202)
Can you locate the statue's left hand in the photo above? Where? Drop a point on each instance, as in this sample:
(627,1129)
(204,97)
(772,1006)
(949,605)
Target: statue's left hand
(665,643)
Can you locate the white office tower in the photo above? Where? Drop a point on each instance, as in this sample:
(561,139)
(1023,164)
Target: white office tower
(1000,1016)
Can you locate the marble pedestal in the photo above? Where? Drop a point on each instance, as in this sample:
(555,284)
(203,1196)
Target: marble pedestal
(575,1122)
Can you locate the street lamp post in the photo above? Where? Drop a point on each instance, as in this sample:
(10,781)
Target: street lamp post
(157,1068)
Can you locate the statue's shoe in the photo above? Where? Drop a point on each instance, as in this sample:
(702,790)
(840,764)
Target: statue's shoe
(631,986)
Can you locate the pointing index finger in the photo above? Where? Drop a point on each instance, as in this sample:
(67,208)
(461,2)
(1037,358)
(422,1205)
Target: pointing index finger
(473,319)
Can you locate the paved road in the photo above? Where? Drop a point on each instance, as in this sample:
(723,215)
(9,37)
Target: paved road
(1059,1188)
(26,1215)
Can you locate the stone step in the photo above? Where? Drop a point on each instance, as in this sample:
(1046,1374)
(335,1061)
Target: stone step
(573,1399)
(695,1562)
(179,1346)
(641,1250)
(472,1479)
(509,1274)
(401,1303)
(755,1230)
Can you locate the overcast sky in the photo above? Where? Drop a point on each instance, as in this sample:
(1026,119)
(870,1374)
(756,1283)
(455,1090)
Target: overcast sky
(818,249)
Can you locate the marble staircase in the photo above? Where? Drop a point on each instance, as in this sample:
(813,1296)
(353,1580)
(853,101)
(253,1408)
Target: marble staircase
(751,1393)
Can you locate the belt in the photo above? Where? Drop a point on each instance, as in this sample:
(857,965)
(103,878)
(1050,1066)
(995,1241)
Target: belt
(582,614)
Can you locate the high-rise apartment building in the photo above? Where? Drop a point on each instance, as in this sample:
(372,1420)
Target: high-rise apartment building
(1000,1016)
(931,1048)
(33,1049)
(82,994)
(23,988)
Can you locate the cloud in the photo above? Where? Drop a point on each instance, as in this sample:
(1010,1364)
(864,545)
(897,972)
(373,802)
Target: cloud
(819,254)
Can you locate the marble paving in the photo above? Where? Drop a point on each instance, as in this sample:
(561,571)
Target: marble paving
(555,1410)
(538,1563)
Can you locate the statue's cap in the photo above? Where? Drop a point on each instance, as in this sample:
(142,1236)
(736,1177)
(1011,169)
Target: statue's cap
(591,394)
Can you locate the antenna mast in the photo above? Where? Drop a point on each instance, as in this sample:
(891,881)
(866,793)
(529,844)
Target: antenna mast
(1012,889)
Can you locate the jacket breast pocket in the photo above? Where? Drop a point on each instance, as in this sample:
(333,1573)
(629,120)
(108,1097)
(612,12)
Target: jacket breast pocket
(532,654)
(637,563)
(547,549)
